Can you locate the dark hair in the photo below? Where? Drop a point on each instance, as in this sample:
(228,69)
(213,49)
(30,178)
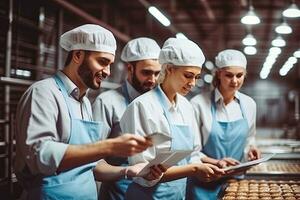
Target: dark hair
(133,63)
(70,56)
(216,80)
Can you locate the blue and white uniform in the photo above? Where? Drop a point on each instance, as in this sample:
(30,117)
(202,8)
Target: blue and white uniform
(226,131)
(55,118)
(153,112)
(109,108)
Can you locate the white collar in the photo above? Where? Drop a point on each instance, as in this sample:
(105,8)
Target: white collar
(170,105)
(219,96)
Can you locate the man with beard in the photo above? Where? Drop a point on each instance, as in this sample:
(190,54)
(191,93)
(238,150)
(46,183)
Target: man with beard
(58,143)
(141,56)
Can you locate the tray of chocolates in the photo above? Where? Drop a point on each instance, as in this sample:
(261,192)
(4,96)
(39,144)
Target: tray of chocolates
(253,189)
(276,167)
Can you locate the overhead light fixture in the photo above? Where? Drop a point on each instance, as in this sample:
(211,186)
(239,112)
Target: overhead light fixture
(292,11)
(274,51)
(209,65)
(297,54)
(208,78)
(250,18)
(292,60)
(278,42)
(250,50)
(181,36)
(283,28)
(287,66)
(159,16)
(249,40)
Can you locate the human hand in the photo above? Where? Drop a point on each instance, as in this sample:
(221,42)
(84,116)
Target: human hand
(156,171)
(128,145)
(254,153)
(208,172)
(225,162)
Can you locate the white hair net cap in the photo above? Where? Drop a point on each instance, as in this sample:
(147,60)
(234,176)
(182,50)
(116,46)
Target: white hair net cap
(142,48)
(231,58)
(181,52)
(89,37)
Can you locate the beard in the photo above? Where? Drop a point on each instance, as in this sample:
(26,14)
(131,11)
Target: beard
(141,87)
(87,76)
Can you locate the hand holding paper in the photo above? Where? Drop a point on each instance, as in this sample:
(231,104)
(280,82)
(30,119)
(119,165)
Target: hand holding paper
(166,159)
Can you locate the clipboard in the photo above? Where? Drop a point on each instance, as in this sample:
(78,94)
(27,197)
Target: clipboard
(249,164)
(167,159)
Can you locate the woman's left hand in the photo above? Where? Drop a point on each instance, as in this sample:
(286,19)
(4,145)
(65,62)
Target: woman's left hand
(156,172)
(254,153)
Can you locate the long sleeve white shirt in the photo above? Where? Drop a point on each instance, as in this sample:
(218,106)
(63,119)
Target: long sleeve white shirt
(145,116)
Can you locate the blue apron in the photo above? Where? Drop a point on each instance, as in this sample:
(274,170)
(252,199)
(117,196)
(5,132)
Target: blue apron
(116,190)
(226,139)
(77,183)
(182,139)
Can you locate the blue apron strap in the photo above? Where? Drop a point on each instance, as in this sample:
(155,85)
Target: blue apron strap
(63,90)
(213,104)
(163,104)
(126,94)
(242,108)
(214,107)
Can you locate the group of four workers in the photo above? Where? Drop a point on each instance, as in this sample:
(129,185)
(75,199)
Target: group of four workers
(64,144)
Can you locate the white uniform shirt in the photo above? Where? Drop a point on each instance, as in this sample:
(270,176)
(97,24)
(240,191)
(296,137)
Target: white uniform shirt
(145,115)
(43,125)
(109,107)
(230,112)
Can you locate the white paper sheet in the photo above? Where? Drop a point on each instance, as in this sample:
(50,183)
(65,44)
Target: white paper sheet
(167,159)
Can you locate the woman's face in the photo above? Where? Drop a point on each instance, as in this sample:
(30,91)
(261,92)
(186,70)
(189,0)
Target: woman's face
(231,78)
(183,79)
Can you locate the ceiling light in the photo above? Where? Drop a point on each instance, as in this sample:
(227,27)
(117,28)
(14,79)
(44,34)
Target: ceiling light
(283,28)
(292,60)
(278,42)
(209,65)
(159,16)
(292,11)
(297,53)
(181,36)
(274,51)
(250,17)
(249,40)
(208,78)
(250,50)
(264,74)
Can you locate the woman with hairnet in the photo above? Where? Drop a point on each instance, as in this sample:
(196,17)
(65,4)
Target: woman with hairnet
(165,110)
(226,119)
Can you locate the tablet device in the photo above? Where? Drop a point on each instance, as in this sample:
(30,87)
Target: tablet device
(249,164)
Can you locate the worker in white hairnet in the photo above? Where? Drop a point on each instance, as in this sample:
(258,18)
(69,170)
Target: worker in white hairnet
(141,57)
(226,119)
(58,143)
(165,110)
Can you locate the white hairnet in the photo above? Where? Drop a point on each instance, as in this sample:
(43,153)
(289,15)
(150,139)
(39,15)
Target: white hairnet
(231,58)
(89,37)
(181,52)
(140,49)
